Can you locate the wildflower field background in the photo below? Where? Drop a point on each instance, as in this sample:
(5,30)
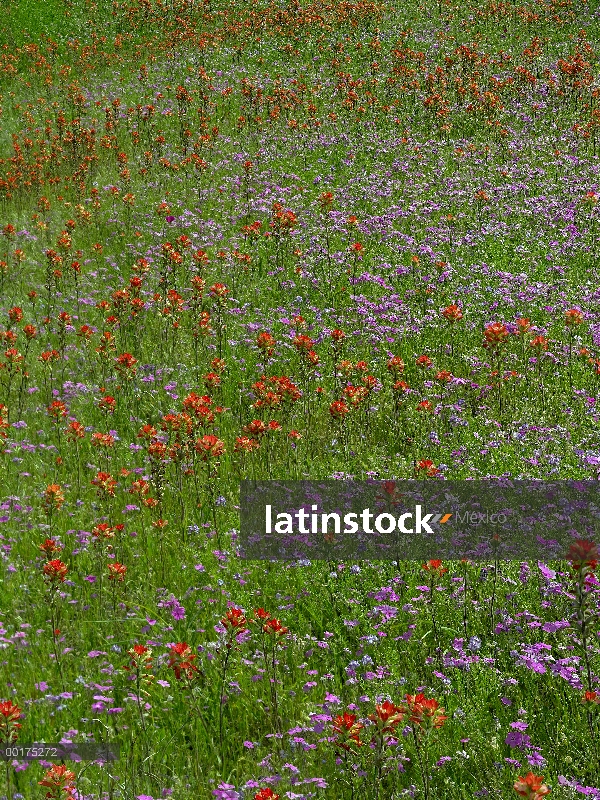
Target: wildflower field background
(294,240)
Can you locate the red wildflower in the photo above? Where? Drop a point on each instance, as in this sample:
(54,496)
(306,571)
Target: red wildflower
(452,313)
(102,532)
(116,571)
(428,467)
(244,444)
(147,432)
(105,483)
(15,314)
(9,714)
(58,779)
(140,487)
(591,698)
(387,716)
(85,331)
(235,621)
(532,787)
(107,403)
(523,325)
(256,428)
(140,664)
(125,365)
(219,291)
(396,366)
(53,498)
(50,547)
(540,343)
(435,566)
(266,343)
(157,451)
(212,380)
(275,626)
(181,660)
(55,570)
(425,713)
(266,794)
(347,729)
(573,317)
(303,343)
(583,554)
(209,447)
(496,334)
(57,409)
(338,409)
(102,440)
(326,201)
(48,356)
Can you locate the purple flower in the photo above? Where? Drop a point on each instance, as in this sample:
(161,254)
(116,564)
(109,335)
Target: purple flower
(519,725)
(513,762)
(518,740)
(226,791)
(536,759)
(552,627)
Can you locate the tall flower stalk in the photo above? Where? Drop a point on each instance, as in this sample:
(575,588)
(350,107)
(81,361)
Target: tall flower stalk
(584,557)
(9,732)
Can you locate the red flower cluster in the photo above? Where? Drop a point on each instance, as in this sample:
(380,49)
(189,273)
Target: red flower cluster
(55,571)
(271,625)
(181,661)
(531,787)
(347,730)
(583,555)
(59,779)
(9,714)
(425,713)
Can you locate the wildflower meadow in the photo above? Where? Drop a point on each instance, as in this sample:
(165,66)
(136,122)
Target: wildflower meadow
(300,240)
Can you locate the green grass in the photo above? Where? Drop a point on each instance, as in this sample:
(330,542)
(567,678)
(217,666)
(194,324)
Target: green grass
(24,21)
(396,169)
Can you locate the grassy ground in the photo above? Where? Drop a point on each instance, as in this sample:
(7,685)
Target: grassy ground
(27,21)
(292,241)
